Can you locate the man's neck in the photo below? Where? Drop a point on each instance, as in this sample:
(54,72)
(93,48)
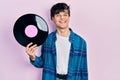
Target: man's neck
(63,32)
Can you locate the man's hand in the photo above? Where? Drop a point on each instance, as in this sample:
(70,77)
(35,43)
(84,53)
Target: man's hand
(31,50)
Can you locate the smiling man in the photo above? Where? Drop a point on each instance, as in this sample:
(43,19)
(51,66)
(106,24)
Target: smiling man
(64,53)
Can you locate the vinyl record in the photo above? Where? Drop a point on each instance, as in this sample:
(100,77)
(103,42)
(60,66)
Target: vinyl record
(30,28)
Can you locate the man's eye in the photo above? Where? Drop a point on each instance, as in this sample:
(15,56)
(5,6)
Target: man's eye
(57,15)
(66,15)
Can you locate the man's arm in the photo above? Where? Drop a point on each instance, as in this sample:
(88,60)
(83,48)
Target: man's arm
(84,67)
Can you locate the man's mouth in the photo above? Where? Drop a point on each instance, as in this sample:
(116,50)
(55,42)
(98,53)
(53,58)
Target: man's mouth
(62,22)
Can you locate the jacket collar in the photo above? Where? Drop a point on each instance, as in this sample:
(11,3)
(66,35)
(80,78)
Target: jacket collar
(71,37)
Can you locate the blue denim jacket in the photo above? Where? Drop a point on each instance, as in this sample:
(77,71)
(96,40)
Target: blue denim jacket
(77,66)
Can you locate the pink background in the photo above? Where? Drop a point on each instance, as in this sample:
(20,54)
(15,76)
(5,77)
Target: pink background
(98,21)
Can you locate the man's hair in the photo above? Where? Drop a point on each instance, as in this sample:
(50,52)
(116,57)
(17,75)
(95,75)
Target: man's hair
(59,7)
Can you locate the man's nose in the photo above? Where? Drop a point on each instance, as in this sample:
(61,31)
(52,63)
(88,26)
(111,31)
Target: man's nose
(62,17)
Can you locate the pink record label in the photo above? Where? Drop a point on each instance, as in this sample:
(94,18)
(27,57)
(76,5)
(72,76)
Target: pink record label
(31,31)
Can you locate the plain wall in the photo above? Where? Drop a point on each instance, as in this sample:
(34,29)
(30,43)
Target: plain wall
(97,21)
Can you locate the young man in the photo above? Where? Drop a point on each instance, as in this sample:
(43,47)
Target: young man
(63,54)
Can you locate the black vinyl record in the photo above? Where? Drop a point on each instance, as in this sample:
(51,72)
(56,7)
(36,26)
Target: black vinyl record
(30,28)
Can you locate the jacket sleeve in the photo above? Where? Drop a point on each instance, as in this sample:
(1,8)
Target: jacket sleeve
(38,62)
(84,67)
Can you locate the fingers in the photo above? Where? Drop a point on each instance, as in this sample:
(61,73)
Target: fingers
(33,49)
(28,46)
(33,46)
(30,49)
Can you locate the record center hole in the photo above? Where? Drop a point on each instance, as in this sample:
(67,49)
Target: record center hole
(31,31)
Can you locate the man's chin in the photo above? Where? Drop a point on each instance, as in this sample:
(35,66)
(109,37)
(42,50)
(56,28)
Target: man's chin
(62,27)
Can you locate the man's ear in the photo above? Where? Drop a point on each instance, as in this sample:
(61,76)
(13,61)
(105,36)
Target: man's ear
(52,19)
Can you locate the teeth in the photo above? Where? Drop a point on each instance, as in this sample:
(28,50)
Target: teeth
(62,21)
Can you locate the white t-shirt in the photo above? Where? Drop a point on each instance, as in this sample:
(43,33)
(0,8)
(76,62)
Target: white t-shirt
(63,51)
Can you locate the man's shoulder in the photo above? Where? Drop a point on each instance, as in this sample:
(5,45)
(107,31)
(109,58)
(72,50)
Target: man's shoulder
(50,38)
(78,37)
(78,41)
(51,35)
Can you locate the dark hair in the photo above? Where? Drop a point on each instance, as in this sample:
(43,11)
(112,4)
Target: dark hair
(59,7)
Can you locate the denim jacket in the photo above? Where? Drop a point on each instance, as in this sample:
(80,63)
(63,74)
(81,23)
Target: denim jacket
(77,65)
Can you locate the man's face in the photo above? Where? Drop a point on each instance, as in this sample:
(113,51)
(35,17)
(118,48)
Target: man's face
(61,19)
